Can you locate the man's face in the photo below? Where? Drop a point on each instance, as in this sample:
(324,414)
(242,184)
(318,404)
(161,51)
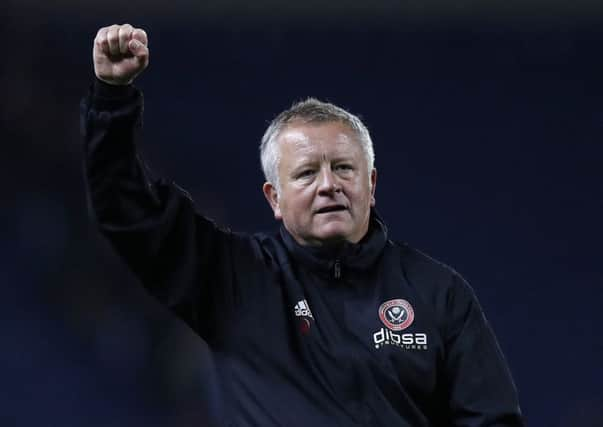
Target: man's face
(325,191)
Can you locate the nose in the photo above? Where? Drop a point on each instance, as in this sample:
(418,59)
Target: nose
(328,185)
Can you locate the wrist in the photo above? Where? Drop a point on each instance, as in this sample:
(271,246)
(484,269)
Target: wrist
(104,89)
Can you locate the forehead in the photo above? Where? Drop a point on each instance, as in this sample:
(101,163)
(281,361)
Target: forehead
(323,139)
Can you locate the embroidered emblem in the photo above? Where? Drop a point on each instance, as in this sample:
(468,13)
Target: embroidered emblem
(396,314)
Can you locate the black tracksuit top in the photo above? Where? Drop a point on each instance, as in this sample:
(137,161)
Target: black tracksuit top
(368,334)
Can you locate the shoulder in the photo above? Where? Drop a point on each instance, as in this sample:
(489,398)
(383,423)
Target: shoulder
(426,270)
(261,246)
(439,285)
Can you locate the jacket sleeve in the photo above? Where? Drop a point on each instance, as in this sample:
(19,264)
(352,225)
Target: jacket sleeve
(152,224)
(481,390)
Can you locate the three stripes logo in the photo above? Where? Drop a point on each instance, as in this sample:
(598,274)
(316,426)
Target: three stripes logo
(303,313)
(302,309)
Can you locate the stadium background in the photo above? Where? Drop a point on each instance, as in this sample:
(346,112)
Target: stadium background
(487,119)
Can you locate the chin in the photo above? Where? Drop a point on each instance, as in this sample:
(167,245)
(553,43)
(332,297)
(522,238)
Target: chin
(332,234)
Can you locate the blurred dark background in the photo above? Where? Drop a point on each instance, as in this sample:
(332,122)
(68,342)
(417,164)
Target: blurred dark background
(487,119)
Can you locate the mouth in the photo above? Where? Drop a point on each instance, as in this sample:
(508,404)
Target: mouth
(332,208)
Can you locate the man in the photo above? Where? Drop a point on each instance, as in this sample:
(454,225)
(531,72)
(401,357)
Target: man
(325,323)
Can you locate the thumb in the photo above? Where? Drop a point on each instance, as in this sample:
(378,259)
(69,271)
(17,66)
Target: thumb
(138,49)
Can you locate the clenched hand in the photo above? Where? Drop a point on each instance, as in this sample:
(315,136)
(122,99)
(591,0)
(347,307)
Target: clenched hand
(120,54)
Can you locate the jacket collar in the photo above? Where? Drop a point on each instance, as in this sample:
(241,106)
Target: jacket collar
(339,260)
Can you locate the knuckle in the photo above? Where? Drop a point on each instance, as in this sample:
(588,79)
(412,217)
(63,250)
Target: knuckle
(101,34)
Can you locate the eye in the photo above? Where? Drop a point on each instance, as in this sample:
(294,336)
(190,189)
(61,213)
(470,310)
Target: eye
(344,167)
(305,173)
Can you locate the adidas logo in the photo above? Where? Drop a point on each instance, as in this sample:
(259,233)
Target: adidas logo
(302,309)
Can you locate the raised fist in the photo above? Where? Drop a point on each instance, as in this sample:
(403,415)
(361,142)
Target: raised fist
(120,54)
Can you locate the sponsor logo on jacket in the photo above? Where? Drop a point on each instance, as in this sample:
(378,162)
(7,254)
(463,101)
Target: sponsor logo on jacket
(397,315)
(302,309)
(304,314)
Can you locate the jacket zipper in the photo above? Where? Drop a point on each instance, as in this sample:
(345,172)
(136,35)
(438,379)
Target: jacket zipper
(337,269)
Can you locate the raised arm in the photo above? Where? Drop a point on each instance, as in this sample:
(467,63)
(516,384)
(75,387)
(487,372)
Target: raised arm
(150,222)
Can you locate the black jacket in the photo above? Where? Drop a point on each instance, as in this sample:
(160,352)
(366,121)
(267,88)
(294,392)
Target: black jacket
(367,334)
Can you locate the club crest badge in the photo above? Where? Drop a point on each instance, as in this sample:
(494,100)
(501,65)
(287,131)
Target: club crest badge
(396,314)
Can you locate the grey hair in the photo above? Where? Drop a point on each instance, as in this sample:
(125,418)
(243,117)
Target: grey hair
(312,111)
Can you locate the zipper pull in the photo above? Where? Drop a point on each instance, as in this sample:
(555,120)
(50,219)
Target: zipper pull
(337,269)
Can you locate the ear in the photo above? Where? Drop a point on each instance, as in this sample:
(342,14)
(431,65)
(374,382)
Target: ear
(272,196)
(373,185)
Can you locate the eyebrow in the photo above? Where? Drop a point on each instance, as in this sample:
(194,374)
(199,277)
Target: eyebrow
(302,165)
(343,159)
(307,161)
